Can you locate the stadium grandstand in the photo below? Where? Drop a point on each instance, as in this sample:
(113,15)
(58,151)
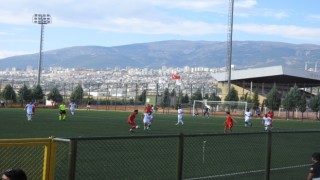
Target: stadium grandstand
(262,79)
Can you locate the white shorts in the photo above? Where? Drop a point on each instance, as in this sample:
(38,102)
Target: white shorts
(147,122)
(267,124)
(29,112)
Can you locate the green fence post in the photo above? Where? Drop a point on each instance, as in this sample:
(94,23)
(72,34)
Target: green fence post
(72,160)
(180,156)
(268,155)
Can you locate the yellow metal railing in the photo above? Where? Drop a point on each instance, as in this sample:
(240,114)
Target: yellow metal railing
(36,156)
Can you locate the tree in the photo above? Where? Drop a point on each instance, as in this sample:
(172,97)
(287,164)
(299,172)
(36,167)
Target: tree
(173,93)
(143,96)
(249,99)
(197,95)
(295,95)
(54,95)
(314,104)
(8,93)
(255,100)
(24,94)
(286,103)
(165,99)
(77,94)
(273,99)
(232,95)
(292,99)
(37,93)
(185,99)
(214,97)
(244,97)
(302,105)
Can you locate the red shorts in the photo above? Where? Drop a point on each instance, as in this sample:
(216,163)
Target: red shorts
(132,123)
(228,124)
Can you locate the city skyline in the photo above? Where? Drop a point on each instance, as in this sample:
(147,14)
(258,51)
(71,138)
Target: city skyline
(110,23)
(115,82)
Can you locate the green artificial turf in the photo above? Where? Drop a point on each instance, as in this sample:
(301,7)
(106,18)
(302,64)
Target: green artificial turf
(207,154)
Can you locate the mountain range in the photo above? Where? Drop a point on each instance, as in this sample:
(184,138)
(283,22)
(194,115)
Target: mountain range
(173,53)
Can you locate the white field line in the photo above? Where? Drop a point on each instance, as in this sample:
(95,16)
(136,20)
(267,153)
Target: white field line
(248,172)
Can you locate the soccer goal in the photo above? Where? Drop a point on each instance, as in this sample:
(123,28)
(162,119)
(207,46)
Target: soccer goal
(219,106)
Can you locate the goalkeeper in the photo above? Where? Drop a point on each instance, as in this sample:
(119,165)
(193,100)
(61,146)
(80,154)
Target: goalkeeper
(206,111)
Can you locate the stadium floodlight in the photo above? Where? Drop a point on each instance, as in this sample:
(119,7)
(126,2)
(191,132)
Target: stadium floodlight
(41,19)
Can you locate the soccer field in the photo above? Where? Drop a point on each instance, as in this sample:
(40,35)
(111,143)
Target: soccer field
(207,154)
(110,123)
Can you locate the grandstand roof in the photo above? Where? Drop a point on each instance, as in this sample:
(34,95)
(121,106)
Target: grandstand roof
(273,74)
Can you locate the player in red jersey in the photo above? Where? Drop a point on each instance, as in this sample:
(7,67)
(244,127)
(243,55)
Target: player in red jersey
(34,108)
(131,120)
(228,124)
(148,108)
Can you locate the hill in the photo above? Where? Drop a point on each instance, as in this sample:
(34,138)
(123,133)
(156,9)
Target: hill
(172,54)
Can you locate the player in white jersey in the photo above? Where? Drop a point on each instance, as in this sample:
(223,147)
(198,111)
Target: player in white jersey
(29,108)
(72,107)
(247,118)
(180,115)
(267,122)
(147,118)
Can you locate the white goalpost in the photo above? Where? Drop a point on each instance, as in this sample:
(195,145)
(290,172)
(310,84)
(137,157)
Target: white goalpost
(219,106)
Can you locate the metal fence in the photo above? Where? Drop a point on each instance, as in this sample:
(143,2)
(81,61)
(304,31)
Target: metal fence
(276,155)
(34,156)
(247,156)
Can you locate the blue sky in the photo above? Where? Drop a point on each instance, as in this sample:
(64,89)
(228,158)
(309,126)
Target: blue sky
(113,22)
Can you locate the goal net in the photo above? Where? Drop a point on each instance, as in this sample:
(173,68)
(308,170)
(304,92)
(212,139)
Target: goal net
(238,107)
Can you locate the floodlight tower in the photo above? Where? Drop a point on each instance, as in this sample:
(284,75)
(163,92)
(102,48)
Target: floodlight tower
(229,43)
(41,19)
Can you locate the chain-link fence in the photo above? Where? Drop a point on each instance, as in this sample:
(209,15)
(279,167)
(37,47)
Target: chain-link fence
(272,155)
(276,155)
(152,157)
(32,155)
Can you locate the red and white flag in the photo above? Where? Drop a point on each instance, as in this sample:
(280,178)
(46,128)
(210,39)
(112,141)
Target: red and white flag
(174,76)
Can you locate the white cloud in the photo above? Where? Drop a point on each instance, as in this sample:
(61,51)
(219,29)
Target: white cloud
(5,54)
(11,17)
(3,33)
(262,12)
(287,31)
(245,4)
(155,16)
(314,17)
(184,28)
(203,5)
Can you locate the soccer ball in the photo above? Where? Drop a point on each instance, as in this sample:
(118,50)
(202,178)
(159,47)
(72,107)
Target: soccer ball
(137,126)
